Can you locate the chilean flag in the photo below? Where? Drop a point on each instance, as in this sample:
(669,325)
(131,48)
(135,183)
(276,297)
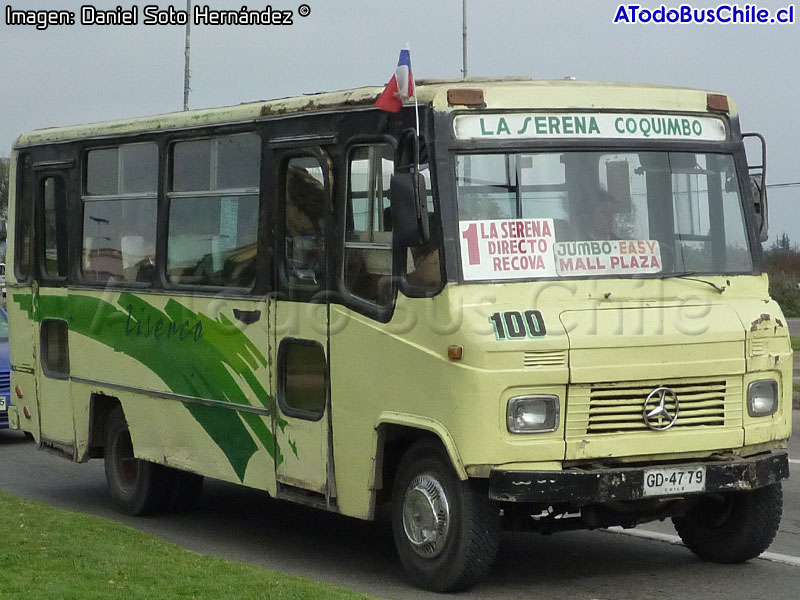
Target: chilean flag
(401,86)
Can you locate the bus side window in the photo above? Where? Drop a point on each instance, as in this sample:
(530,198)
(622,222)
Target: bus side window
(368,224)
(54,205)
(24,219)
(304,248)
(304,381)
(213,211)
(119,213)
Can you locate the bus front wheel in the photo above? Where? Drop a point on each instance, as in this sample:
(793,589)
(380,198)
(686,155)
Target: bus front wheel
(446,531)
(137,487)
(733,527)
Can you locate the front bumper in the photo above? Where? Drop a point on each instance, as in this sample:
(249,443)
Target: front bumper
(597,486)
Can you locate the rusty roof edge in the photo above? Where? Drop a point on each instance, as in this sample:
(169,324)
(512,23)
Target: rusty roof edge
(429,91)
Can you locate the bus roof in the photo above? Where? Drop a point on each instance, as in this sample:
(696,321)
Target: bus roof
(499,93)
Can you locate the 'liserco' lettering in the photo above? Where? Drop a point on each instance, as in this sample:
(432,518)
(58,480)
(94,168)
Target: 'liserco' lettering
(658,126)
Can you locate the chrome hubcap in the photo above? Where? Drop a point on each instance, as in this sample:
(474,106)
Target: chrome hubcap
(426,515)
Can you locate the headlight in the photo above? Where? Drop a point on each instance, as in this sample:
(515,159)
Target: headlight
(532,414)
(762,398)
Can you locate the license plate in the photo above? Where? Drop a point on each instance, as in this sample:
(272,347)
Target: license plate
(667,482)
(3,402)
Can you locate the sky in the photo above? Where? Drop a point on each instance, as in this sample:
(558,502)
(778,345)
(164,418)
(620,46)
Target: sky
(72,74)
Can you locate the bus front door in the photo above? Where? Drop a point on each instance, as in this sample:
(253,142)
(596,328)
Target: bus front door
(301,421)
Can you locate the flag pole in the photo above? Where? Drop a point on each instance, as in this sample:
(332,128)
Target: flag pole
(416,103)
(186,57)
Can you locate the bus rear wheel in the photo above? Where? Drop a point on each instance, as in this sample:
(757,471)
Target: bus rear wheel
(733,527)
(137,487)
(446,531)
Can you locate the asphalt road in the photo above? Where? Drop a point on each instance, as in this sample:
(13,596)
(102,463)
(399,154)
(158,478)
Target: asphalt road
(794,326)
(245,525)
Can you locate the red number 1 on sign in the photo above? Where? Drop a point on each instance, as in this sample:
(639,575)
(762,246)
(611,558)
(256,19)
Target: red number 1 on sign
(473,248)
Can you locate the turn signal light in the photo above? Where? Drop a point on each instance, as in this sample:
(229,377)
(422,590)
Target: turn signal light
(455,352)
(465,97)
(18,392)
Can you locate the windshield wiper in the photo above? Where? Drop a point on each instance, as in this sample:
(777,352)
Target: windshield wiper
(689,275)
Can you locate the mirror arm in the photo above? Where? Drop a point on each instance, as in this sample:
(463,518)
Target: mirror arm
(762,200)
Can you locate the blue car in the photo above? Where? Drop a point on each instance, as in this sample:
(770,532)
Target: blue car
(5,370)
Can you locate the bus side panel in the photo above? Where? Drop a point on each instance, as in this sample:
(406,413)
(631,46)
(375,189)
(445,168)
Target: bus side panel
(180,366)
(372,373)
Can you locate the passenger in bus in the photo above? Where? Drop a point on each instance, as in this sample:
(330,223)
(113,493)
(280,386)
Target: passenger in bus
(146,268)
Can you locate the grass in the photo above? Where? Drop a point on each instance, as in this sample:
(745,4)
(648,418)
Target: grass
(50,553)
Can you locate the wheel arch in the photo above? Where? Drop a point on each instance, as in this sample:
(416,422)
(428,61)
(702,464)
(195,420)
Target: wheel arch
(397,432)
(100,408)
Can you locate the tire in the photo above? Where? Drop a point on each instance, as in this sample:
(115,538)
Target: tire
(735,528)
(137,487)
(427,492)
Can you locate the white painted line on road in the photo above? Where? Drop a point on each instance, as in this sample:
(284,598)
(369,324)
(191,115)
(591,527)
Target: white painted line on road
(785,559)
(794,461)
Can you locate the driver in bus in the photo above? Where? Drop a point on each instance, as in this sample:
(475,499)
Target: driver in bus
(598,213)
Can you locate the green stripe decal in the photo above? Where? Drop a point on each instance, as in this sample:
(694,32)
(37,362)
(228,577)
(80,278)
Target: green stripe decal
(191,353)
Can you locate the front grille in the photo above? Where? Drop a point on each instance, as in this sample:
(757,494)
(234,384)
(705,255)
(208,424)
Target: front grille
(618,408)
(5,380)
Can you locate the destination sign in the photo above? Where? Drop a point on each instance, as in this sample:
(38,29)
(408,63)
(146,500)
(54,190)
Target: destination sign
(507,248)
(589,125)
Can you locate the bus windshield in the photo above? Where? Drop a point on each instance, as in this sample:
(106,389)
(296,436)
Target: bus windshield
(567,214)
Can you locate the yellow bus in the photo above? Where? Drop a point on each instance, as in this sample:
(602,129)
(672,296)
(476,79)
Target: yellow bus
(543,308)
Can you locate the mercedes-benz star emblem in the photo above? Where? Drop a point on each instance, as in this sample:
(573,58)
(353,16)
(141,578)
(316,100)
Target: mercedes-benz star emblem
(655,413)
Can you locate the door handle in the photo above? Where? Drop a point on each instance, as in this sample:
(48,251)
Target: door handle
(247,316)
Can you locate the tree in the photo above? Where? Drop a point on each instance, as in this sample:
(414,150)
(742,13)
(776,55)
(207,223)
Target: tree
(3,184)
(782,245)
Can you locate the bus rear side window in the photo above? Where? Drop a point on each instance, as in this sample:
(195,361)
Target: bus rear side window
(24,210)
(119,213)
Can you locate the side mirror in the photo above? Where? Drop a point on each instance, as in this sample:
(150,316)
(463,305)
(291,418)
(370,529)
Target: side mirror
(409,210)
(758,187)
